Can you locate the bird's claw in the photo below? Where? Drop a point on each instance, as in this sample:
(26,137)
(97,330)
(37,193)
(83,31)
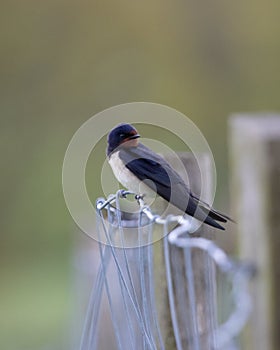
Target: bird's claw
(123,193)
(139,197)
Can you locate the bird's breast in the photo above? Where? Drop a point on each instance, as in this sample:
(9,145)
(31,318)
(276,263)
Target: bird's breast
(126,177)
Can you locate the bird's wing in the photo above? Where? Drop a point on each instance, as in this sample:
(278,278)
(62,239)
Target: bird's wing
(147,165)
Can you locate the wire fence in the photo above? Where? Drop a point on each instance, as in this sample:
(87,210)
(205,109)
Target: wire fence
(207,306)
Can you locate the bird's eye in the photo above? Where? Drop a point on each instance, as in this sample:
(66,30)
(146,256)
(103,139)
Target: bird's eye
(122,136)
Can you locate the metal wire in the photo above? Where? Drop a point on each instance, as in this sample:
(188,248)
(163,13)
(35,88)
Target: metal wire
(136,323)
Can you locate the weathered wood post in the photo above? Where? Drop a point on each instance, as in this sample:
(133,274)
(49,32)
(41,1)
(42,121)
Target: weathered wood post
(202,309)
(196,315)
(255,169)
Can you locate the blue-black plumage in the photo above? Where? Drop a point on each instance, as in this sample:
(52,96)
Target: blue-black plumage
(133,163)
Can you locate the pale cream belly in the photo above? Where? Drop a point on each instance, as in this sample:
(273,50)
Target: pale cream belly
(127,179)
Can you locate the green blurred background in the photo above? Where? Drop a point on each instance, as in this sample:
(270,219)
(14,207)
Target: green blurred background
(63,61)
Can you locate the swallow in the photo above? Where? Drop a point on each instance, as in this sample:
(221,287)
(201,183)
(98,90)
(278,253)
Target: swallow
(134,164)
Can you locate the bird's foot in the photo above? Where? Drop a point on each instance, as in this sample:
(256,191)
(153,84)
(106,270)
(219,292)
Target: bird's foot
(123,193)
(139,198)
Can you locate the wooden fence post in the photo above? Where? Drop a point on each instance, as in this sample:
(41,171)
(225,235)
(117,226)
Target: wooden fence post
(202,309)
(203,275)
(255,172)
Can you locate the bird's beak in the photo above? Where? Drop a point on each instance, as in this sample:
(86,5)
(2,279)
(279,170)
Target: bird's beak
(136,136)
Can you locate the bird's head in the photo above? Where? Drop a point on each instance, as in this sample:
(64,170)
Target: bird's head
(122,135)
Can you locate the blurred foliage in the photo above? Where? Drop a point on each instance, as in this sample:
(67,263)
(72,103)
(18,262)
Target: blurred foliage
(63,61)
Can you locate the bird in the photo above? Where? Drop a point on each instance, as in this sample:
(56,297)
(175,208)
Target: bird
(135,165)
